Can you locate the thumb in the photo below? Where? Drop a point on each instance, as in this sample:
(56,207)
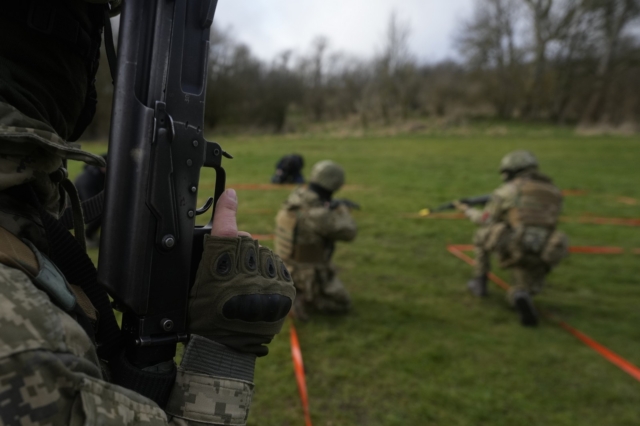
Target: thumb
(224,218)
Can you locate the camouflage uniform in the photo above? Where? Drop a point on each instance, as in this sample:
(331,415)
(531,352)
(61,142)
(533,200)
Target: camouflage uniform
(307,227)
(49,368)
(519,225)
(50,372)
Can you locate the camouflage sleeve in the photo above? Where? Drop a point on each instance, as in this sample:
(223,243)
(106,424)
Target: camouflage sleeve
(50,373)
(49,370)
(335,225)
(502,199)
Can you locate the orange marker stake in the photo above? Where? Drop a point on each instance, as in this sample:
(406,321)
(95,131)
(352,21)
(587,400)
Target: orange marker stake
(605,352)
(298,367)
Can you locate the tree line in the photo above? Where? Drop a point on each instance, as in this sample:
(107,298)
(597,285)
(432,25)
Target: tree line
(571,62)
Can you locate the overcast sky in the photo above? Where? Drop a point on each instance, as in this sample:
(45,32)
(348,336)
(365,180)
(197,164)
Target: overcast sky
(352,26)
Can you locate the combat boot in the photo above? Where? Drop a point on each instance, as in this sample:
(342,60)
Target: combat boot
(524,306)
(478,286)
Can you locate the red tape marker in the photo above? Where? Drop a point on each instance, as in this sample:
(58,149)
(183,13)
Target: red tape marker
(572,249)
(596,250)
(606,353)
(298,367)
(584,219)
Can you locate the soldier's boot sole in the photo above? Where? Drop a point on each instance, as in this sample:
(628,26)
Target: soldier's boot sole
(478,287)
(528,314)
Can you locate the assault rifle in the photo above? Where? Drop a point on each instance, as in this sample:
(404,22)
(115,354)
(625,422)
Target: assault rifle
(150,247)
(344,202)
(480,200)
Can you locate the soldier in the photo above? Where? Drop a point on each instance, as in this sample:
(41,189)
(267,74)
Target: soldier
(51,372)
(519,225)
(307,227)
(289,170)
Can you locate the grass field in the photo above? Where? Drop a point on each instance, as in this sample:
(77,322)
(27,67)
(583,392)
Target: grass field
(417,348)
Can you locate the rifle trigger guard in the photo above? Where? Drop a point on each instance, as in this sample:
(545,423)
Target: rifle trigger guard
(207,206)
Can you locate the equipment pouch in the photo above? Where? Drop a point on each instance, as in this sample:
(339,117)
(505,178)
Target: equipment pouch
(557,248)
(534,238)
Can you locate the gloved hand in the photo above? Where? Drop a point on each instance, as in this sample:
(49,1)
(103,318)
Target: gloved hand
(242,292)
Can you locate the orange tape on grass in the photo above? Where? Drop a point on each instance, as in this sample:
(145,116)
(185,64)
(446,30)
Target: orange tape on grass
(611,356)
(595,220)
(606,353)
(572,249)
(596,250)
(584,219)
(298,367)
(456,250)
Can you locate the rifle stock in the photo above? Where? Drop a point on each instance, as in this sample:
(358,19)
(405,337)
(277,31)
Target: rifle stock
(149,243)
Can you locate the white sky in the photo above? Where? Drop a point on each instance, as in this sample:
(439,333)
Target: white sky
(269,27)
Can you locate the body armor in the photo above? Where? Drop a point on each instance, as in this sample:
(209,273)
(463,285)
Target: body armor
(538,204)
(287,245)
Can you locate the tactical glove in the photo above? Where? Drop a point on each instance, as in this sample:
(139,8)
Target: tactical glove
(241,295)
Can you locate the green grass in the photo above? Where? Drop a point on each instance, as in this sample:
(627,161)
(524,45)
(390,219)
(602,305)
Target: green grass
(417,348)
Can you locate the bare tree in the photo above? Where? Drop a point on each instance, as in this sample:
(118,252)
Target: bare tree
(392,91)
(488,42)
(320,45)
(612,18)
(548,25)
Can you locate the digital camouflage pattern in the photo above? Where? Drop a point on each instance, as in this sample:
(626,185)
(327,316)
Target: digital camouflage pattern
(49,369)
(193,400)
(519,225)
(306,232)
(50,372)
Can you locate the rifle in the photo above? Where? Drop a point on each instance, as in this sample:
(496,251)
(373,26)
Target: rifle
(150,247)
(343,202)
(480,200)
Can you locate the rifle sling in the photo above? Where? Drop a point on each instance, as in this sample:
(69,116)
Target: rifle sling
(91,210)
(78,269)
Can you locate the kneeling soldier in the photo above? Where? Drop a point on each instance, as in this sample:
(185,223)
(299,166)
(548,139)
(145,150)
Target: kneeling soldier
(307,227)
(519,225)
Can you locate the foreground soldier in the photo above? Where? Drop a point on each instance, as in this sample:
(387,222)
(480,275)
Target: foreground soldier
(51,372)
(307,227)
(519,224)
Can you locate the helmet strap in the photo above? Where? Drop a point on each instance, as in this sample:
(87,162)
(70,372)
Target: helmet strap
(323,193)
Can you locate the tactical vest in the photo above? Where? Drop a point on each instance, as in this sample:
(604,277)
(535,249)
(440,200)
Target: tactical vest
(286,221)
(537,204)
(287,245)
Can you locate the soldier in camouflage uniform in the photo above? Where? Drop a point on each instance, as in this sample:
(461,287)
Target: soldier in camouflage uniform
(50,370)
(307,227)
(519,225)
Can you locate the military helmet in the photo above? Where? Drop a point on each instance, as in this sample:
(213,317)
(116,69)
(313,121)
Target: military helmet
(328,175)
(518,160)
